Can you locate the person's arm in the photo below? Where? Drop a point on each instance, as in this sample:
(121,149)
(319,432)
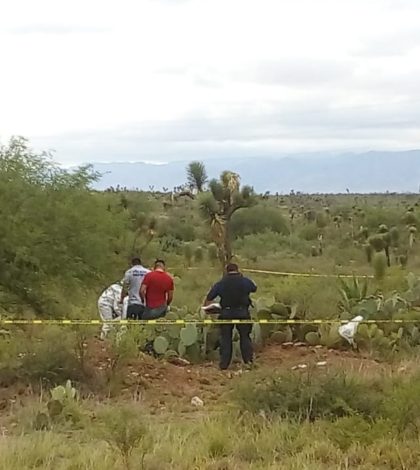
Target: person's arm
(213,293)
(117,305)
(251,286)
(143,290)
(124,292)
(170,293)
(169,297)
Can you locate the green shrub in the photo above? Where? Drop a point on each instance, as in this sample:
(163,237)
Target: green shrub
(402,406)
(198,255)
(178,229)
(125,430)
(124,348)
(379,263)
(212,253)
(188,254)
(51,357)
(218,445)
(11,347)
(356,430)
(258,219)
(54,232)
(321,220)
(309,233)
(309,396)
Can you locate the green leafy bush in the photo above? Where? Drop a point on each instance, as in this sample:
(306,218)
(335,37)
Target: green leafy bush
(309,232)
(258,219)
(51,357)
(379,263)
(54,230)
(356,430)
(309,396)
(125,430)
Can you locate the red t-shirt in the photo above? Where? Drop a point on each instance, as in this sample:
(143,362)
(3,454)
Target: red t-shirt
(158,283)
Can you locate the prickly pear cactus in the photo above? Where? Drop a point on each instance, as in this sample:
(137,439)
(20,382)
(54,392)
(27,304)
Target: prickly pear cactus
(284,335)
(172,330)
(58,393)
(329,336)
(182,349)
(256,334)
(160,345)
(70,391)
(189,335)
(313,338)
(55,408)
(170,353)
(281,310)
(193,353)
(61,393)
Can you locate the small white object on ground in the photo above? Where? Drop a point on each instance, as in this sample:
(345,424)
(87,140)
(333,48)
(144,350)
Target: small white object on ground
(262,414)
(321,363)
(198,402)
(349,330)
(178,361)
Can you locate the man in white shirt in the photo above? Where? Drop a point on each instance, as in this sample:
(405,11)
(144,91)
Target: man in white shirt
(110,307)
(133,279)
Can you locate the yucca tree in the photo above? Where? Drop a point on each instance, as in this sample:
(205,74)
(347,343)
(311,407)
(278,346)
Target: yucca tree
(197,175)
(381,241)
(218,206)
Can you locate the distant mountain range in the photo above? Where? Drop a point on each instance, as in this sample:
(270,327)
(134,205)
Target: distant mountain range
(363,173)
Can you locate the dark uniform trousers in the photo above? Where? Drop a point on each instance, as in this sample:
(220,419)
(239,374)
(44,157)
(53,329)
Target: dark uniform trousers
(135,311)
(226,331)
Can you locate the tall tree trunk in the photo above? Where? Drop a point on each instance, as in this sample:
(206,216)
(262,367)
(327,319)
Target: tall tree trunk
(218,227)
(411,240)
(388,259)
(227,243)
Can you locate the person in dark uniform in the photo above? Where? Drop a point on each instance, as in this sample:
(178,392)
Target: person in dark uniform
(234,292)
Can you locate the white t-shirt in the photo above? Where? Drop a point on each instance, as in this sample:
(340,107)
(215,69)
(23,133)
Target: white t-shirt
(133,280)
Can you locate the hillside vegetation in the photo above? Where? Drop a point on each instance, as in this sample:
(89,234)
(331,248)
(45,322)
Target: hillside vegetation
(62,243)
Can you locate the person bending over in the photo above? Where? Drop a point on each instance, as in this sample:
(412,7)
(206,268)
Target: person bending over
(234,291)
(110,307)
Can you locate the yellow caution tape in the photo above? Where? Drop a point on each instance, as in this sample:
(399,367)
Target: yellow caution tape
(285,273)
(277,273)
(195,322)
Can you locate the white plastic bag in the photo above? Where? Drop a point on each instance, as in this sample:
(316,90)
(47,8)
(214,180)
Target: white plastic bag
(349,330)
(212,308)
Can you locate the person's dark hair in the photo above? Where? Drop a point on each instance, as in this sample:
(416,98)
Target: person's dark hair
(136,261)
(159,262)
(232,268)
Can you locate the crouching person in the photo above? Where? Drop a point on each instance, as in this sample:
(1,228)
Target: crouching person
(110,307)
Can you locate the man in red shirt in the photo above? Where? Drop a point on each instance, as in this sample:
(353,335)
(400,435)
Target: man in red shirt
(157,291)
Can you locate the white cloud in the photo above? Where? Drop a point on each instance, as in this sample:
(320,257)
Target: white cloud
(163,79)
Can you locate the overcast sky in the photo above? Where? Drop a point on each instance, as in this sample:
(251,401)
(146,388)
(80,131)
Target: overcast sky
(161,80)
